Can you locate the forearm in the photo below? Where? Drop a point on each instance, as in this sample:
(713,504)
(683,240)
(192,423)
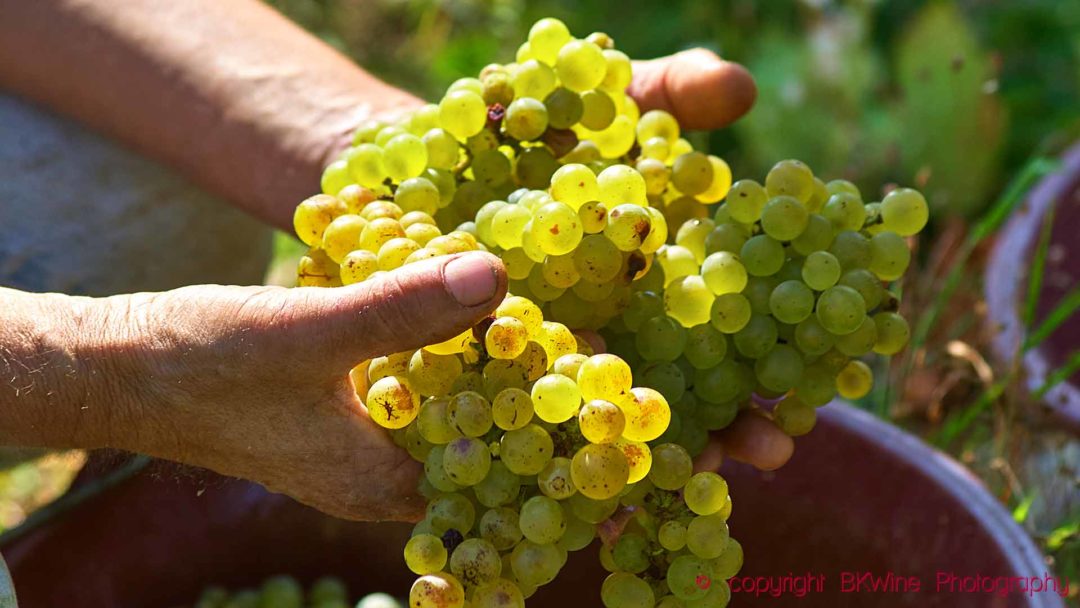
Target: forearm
(62,371)
(232,94)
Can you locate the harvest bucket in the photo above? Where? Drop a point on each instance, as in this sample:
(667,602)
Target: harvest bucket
(860,496)
(1007,283)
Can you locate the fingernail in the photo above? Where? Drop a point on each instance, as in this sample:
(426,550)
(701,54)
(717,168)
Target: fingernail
(471,280)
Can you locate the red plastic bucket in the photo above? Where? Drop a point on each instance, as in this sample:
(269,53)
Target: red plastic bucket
(1007,283)
(860,496)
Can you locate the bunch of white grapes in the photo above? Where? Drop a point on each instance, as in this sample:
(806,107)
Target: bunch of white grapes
(286,592)
(531,430)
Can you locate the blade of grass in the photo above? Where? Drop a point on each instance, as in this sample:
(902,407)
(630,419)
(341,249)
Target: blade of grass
(1038,267)
(1033,171)
(1022,510)
(1061,313)
(1059,375)
(958,423)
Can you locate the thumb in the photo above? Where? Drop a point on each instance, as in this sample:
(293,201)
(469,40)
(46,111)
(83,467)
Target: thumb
(698,87)
(422,303)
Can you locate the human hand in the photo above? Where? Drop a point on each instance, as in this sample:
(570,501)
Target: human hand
(253,382)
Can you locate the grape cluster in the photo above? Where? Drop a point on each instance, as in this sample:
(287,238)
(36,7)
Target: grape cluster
(533,437)
(286,592)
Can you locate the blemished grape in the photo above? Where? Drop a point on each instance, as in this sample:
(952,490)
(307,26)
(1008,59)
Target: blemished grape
(640,321)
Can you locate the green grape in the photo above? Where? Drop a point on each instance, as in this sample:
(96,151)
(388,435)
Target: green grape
(812,338)
(593,216)
(621,184)
(838,186)
(395,364)
(574,185)
(718,384)
(599,110)
(655,172)
(790,178)
(677,262)
(416,445)
(707,536)
(556,398)
(660,338)
(546,37)
(556,340)
(721,182)
(394,252)
(444,181)
(851,249)
(628,225)
(638,458)
(535,166)
(705,346)
(508,224)
(718,596)
(533,79)
(671,466)
(724,273)
(501,374)
(496,88)
(817,385)
(327,589)
(466,84)
(757,338)
(557,229)
(672,535)
(599,471)
(535,564)
(617,72)
(462,114)
(579,533)
(692,235)
(864,282)
(688,300)
(762,256)
(597,259)
(726,237)
(630,553)
(466,461)
(892,333)
(470,413)
(342,236)
(314,215)
(821,270)
(518,264)
(378,231)
(716,416)
(451,512)
(433,421)
(484,141)
(512,409)
(525,451)
(336,177)
(381,209)
(617,139)
(889,255)
(780,369)
(580,65)
(555,482)
(491,167)
(689,577)
(841,310)
(845,211)
(670,601)
(666,378)
(692,173)
(860,341)
(405,156)
(643,306)
(817,236)
(658,149)
(855,380)
(414,218)
(501,593)
(904,211)
(791,302)
(439,590)
(533,361)
(605,377)
(526,119)
(794,417)
(601,421)
(564,108)
(506,338)
(432,374)
(730,312)
(624,590)
(500,527)
(592,511)
(392,403)
(425,554)
(435,473)
(281,592)
(784,218)
(705,493)
(357,266)
(541,520)
(745,201)
(442,148)
(730,562)
(367,165)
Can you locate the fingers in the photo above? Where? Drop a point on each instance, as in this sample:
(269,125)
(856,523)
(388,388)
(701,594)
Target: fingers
(422,303)
(702,90)
(755,440)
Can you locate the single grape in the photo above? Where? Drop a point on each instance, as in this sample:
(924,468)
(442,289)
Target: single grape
(438,590)
(904,211)
(599,471)
(425,554)
(671,466)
